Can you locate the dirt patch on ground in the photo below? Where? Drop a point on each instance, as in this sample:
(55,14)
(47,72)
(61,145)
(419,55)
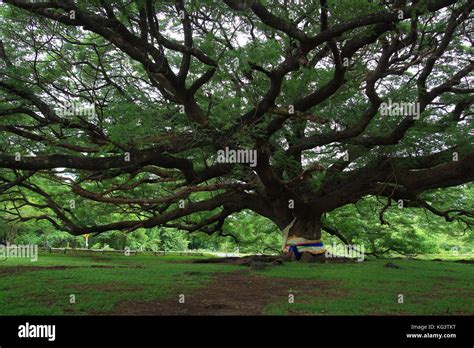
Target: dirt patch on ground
(113,287)
(465,261)
(234,293)
(103,266)
(272,260)
(5,271)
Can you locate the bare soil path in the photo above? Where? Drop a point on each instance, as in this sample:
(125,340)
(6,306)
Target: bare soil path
(234,293)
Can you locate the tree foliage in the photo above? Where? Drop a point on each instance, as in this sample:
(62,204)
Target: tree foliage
(112,114)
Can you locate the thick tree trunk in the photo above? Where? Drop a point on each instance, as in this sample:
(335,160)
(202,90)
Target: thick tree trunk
(303,228)
(306,227)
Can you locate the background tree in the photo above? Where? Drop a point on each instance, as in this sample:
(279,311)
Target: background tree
(113,112)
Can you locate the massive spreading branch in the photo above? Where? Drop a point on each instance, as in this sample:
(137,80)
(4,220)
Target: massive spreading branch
(123,107)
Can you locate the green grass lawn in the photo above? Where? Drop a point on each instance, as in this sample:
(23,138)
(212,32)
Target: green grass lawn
(99,283)
(428,288)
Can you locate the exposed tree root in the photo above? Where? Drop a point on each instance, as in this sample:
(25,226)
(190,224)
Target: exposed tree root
(274,260)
